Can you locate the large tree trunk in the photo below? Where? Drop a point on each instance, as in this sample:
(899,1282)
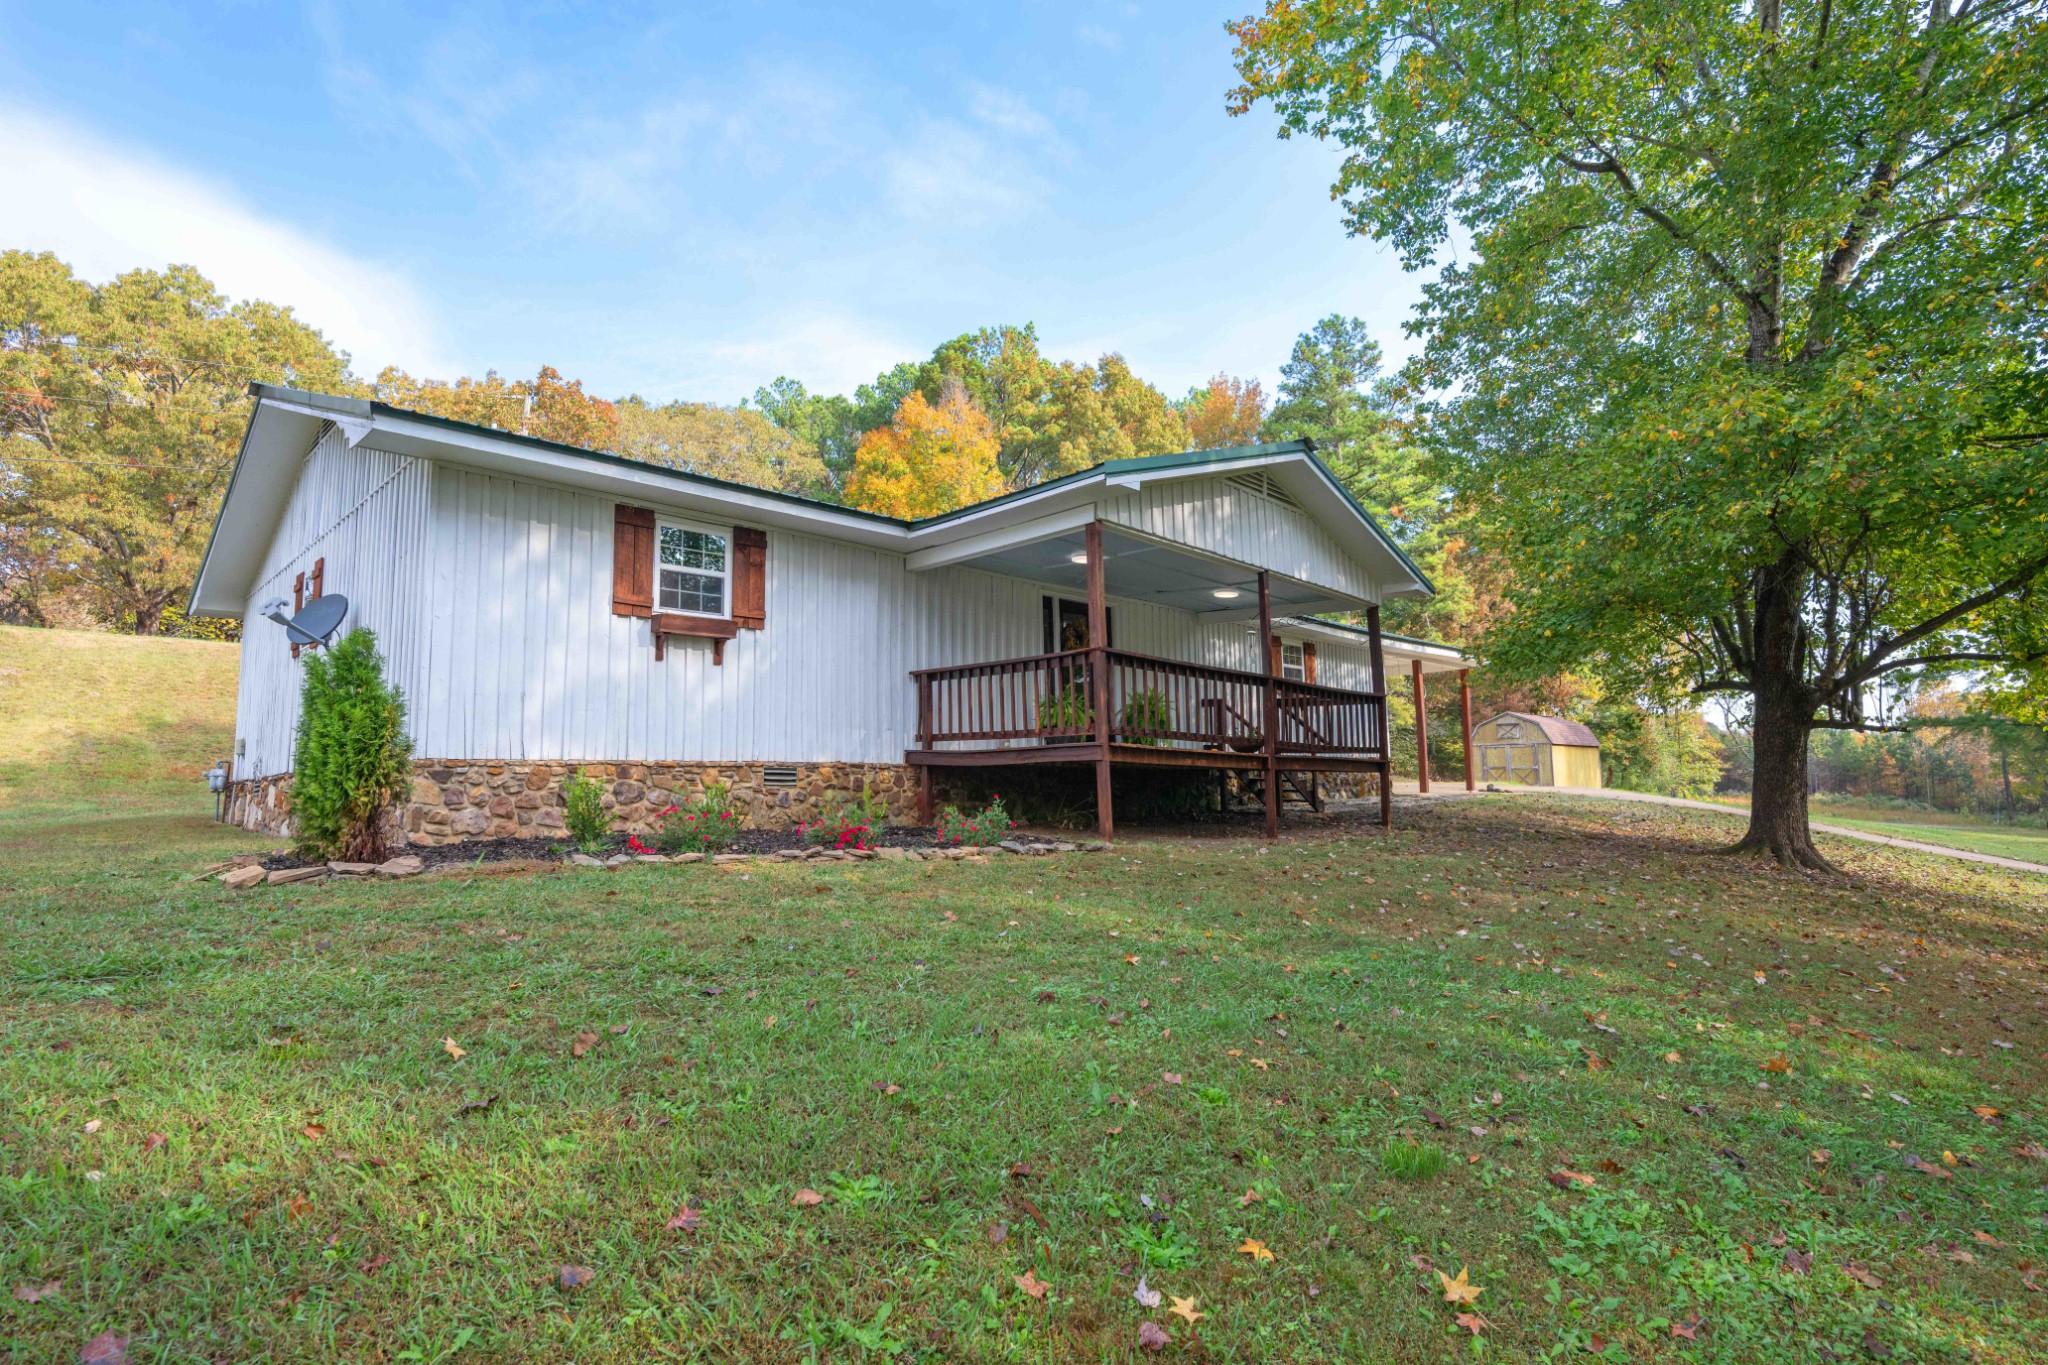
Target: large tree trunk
(1783,723)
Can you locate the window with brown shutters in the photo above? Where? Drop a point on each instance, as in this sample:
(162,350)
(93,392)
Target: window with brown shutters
(749,578)
(632,561)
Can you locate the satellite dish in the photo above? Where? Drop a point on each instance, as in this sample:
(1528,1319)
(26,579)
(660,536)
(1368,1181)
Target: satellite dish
(316,622)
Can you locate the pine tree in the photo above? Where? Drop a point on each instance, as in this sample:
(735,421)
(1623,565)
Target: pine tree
(353,753)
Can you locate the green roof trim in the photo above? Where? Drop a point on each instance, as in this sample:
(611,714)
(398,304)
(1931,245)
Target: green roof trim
(1183,459)
(1384,635)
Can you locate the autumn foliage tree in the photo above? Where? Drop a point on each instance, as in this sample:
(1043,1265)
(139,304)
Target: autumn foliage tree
(547,406)
(1225,412)
(121,408)
(738,444)
(929,459)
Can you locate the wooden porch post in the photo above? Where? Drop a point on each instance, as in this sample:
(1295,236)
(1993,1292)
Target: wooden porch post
(1421,729)
(924,741)
(1465,724)
(1386,736)
(1098,677)
(1272,717)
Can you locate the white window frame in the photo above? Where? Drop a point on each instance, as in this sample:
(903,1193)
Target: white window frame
(1296,669)
(724,576)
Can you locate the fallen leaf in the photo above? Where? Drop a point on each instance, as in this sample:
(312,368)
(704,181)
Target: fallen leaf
(152,1141)
(482,1106)
(1821,1156)
(374,1264)
(2032,1151)
(1873,1347)
(1152,1337)
(1032,1210)
(1780,1064)
(1926,1167)
(1565,1180)
(1986,1238)
(1473,1323)
(1031,1284)
(1861,1276)
(585,1041)
(92,1126)
(1594,1061)
(297,1207)
(36,1293)
(687,1219)
(104,1349)
(1248,1198)
(1797,1261)
(575,1277)
(1686,1331)
(1256,1249)
(313,1132)
(1673,1058)
(1186,1308)
(1460,1290)
(1985,1112)
(1170,1077)
(807,1198)
(1145,1294)
(998,1233)
(448,1046)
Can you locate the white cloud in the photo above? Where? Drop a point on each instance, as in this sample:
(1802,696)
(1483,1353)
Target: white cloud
(105,209)
(948,174)
(1006,111)
(1100,37)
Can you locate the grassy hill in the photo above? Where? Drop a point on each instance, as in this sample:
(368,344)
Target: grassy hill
(89,720)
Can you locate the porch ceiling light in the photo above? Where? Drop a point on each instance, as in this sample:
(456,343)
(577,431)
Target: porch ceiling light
(1225,593)
(1078,557)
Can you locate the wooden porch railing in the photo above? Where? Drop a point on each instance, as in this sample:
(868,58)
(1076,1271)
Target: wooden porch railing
(1049,698)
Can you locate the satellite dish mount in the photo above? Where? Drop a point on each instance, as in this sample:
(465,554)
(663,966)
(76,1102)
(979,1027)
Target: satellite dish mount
(315,623)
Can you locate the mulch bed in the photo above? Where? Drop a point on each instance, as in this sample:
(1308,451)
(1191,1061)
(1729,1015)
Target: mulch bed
(558,850)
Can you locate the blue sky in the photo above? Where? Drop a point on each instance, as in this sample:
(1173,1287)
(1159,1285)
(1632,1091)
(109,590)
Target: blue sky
(686,200)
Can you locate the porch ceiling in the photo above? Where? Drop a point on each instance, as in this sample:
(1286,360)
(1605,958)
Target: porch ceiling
(1150,572)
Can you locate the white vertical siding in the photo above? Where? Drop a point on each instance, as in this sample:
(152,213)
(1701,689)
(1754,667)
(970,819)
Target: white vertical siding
(491,598)
(366,513)
(1223,518)
(527,661)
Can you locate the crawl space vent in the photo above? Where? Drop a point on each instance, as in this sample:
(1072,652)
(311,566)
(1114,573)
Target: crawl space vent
(778,777)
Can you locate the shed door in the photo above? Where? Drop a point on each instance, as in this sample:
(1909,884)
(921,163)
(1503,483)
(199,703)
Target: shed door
(1510,763)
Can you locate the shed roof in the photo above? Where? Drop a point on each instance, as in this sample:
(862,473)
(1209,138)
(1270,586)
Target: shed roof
(1566,732)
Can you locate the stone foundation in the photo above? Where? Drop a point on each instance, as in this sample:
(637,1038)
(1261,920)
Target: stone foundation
(262,804)
(452,799)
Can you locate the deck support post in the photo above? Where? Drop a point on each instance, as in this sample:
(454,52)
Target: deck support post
(1465,725)
(1421,730)
(1098,677)
(1272,717)
(1386,735)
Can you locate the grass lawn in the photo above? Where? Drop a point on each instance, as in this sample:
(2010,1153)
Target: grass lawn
(1660,1104)
(2004,841)
(87,719)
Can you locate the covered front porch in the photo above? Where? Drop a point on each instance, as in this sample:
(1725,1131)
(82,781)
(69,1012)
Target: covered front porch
(1280,724)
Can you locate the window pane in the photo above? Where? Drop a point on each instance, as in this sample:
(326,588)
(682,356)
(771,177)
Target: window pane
(695,592)
(692,549)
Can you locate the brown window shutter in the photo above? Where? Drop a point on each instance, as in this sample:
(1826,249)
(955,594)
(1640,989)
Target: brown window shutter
(1308,662)
(749,578)
(319,579)
(1275,660)
(298,602)
(632,561)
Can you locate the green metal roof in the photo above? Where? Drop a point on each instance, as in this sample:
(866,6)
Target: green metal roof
(1184,459)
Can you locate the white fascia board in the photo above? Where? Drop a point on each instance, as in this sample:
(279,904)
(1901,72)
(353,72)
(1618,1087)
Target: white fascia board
(1001,538)
(274,451)
(1435,658)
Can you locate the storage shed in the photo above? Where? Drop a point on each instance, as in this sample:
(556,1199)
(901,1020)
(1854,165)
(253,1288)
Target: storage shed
(1536,751)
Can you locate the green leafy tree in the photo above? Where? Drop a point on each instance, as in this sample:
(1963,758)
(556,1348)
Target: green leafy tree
(353,754)
(832,424)
(122,406)
(738,444)
(1670,752)
(1744,369)
(1332,391)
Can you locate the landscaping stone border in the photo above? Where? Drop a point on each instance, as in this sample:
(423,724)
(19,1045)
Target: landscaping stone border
(245,872)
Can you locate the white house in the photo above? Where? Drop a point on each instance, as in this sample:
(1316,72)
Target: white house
(545,608)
